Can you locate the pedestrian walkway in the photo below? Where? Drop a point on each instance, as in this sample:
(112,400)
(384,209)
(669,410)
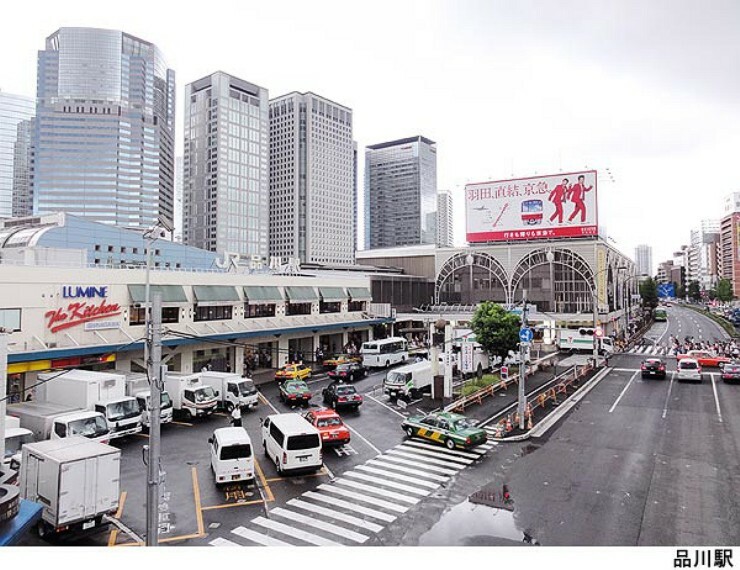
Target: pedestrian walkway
(650,350)
(361,502)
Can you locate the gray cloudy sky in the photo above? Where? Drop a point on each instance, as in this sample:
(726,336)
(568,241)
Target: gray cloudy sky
(648,89)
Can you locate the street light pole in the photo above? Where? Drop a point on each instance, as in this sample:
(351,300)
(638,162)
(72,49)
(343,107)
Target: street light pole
(155,393)
(522,366)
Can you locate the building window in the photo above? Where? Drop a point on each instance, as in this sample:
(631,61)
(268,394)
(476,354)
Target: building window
(209,313)
(356,306)
(169,315)
(10,320)
(298,308)
(136,316)
(256,311)
(330,307)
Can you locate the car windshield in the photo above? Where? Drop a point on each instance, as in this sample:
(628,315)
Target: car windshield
(398,377)
(14,443)
(653,362)
(240,451)
(344,390)
(88,427)
(344,368)
(246,387)
(734,368)
(165,401)
(296,387)
(464,423)
(329,422)
(307,441)
(688,365)
(122,410)
(204,394)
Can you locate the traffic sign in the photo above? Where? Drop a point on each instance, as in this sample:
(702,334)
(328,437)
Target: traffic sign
(526,335)
(504,372)
(599,332)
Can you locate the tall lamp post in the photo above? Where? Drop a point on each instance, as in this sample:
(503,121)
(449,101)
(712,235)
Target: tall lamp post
(595,304)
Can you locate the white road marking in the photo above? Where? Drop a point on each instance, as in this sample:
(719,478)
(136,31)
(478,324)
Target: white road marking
(426,466)
(399,476)
(413,446)
(444,450)
(377,491)
(380,462)
(416,454)
(259,538)
(716,398)
(358,434)
(266,401)
(365,498)
(623,391)
(222,542)
(335,502)
(296,532)
(668,395)
(321,525)
(297,503)
(387,483)
(386,406)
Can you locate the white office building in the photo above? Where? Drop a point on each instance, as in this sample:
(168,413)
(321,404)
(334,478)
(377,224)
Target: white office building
(644,259)
(445,236)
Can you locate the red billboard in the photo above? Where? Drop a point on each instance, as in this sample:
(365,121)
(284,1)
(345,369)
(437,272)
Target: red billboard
(540,207)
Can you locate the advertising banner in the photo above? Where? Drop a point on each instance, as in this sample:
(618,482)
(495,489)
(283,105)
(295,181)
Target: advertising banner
(542,207)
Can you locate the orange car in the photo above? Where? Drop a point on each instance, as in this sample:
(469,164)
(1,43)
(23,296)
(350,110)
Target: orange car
(705,358)
(330,426)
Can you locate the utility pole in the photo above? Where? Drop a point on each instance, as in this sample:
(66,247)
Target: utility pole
(3,388)
(596,325)
(522,365)
(154,336)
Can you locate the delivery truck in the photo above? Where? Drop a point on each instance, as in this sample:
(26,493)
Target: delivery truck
(15,438)
(137,386)
(47,420)
(99,391)
(583,340)
(232,389)
(77,481)
(190,397)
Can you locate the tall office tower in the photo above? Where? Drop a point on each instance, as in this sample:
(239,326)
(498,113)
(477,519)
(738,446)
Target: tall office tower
(103,141)
(702,254)
(312,179)
(401,193)
(644,260)
(178,215)
(445,236)
(226,176)
(15,114)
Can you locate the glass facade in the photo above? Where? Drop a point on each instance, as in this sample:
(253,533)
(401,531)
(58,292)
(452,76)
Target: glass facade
(401,193)
(226,171)
(15,114)
(103,140)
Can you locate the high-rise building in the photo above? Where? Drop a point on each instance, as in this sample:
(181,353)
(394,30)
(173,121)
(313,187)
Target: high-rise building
(15,114)
(445,236)
(312,180)
(644,259)
(401,193)
(226,171)
(103,141)
(179,185)
(729,250)
(702,254)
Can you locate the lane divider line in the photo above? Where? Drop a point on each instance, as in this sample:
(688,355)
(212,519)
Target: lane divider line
(623,392)
(716,398)
(668,395)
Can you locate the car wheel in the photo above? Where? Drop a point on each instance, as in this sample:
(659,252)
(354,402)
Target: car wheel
(357,408)
(277,465)
(450,443)
(264,448)
(410,431)
(229,407)
(387,363)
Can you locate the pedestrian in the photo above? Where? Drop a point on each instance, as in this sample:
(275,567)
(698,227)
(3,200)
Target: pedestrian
(236,417)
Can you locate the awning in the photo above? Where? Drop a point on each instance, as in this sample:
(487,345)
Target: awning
(332,294)
(359,293)
(262,294)
(170,293)
(301,294)
(215,295)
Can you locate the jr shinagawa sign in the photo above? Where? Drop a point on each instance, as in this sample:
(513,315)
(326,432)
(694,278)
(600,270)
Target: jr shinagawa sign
(541,207)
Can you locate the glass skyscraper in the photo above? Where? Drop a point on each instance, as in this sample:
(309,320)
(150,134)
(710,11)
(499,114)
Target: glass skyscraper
(15,114)
(226,170)
(103,139)
(401,193)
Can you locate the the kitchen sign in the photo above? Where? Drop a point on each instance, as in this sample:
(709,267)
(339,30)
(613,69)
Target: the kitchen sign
(84,309)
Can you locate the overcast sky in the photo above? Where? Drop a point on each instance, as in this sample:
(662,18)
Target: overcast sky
(647,89)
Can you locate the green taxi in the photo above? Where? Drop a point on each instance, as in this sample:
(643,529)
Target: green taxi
(453,430)
(295,392)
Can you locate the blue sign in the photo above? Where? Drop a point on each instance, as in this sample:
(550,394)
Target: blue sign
(526,335)
(666,290)
(75,292)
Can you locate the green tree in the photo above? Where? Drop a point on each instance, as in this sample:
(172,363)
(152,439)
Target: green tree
(694,292)
(680,291)
(495,329)
(649,293)
(723,291)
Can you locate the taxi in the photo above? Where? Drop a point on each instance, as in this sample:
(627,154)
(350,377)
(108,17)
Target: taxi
(331,427)
(452,430)
(705,358)
(293,371)
(295,392)
(332,363)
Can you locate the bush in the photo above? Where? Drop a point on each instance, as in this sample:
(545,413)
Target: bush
(472,386)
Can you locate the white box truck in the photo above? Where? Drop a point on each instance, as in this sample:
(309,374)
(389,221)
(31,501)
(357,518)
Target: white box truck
(409,381)
(76,480)
(99,391)
(190,397)
(15,438)
(47,420)
(137,386)
(583,339)
(232,389)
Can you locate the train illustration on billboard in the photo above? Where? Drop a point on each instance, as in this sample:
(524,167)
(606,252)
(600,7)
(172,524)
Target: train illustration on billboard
(532,212)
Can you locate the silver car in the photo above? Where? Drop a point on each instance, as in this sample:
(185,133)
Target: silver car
(688,369)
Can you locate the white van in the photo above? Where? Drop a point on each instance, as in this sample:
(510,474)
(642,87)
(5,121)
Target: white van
(409,381)
(292,443)
(688,369)
(232,458)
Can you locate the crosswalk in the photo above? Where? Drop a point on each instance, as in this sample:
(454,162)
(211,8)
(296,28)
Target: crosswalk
(361,502)
(650,350)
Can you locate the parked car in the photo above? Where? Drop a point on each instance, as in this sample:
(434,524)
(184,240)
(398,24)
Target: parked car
(330,426)
(293,371)
(349,371)
(731,372)
(341,395)
(295,392)
(232,457)
(452,430)
(332,363)
(688,369)
(653,368)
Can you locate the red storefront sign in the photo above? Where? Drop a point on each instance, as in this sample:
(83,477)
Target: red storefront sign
(78,313)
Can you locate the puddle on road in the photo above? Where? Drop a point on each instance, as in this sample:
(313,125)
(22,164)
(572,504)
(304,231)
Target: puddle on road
(471,524)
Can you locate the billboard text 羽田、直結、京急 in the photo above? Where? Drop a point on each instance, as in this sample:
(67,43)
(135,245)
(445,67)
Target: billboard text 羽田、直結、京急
(540,207)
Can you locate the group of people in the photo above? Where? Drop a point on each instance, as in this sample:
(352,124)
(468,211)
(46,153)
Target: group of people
(574,193)
(727,348)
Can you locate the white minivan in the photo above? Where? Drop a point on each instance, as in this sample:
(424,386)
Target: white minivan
(292,443)
(232,458)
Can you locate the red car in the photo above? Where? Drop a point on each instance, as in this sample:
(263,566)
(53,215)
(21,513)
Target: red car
(705,359)
(330,426)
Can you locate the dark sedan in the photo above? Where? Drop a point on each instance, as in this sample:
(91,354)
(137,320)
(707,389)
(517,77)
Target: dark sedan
(653,368)
(340,395)
(731,372)
(350,371)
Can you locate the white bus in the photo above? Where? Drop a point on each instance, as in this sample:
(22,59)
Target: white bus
(385,352)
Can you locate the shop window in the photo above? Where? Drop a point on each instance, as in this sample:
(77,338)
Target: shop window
(356,306)
(209,313)
(256,311)
(10,319)
(334,307)
(298,308)
(137,315)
